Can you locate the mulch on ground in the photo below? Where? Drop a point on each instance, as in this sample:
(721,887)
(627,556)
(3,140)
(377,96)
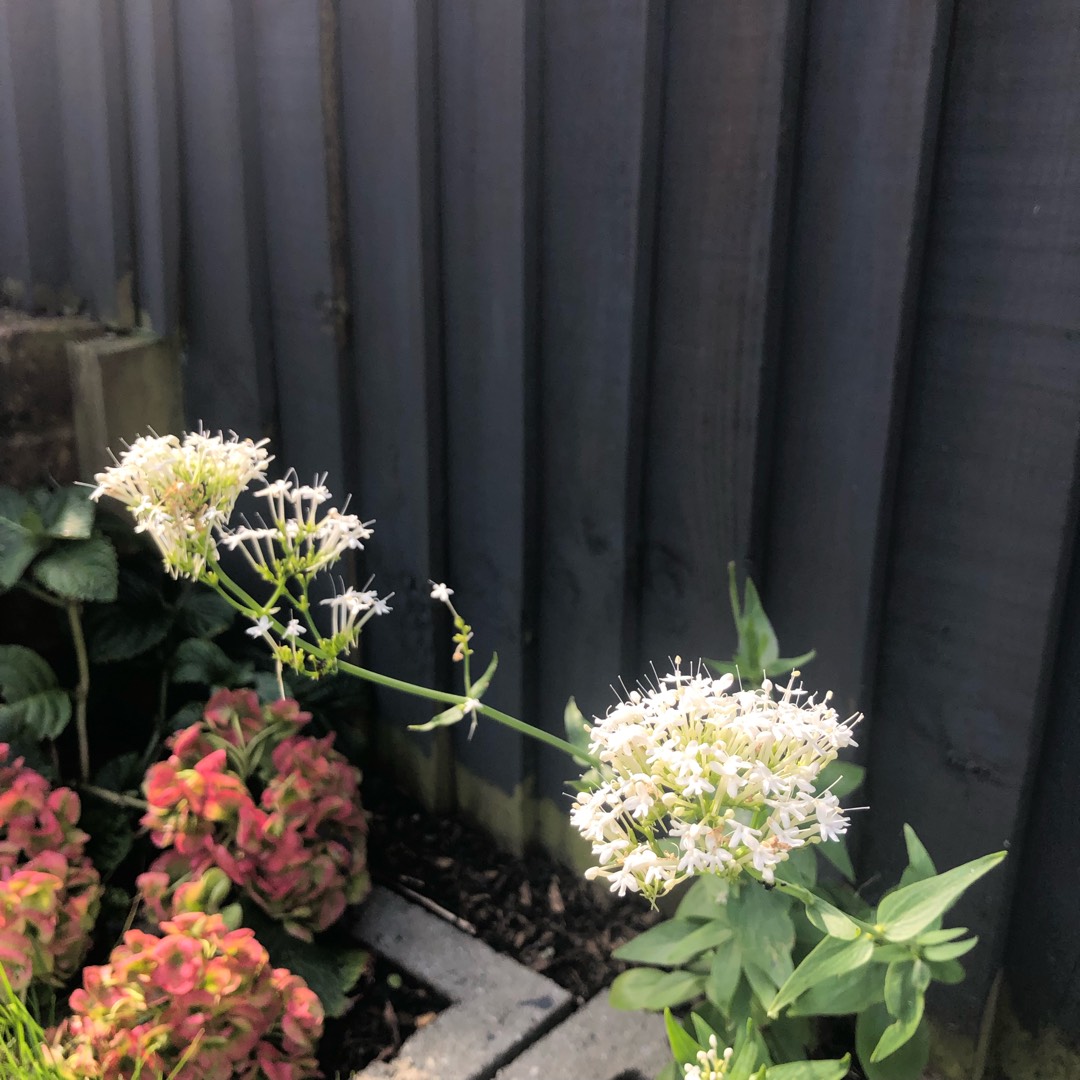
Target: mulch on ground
(542,914)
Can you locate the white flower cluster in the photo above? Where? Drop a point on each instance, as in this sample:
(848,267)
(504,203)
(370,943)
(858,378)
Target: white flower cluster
(711,1063)
(700,778)
(181,492)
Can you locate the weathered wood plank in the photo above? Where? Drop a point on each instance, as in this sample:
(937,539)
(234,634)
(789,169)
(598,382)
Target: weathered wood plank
(387,57)
(731,86)
(14,230)
(990,442)
(602,74)
(93,128)
(155,159)
(870,104)
(229,363)
(292,143)
(487,112)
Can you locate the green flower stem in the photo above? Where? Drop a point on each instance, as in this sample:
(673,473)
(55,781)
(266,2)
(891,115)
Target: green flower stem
(82,689)
(252,608)
(114,797)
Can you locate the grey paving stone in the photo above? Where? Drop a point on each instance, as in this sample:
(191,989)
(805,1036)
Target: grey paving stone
(499,1007)
(597,1042)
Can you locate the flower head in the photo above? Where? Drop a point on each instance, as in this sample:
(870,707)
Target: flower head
(181,491)
(700,778)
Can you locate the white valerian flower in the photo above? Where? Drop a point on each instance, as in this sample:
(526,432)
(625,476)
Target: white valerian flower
(711,1063)
(293,629)
(260,628)
(701,777)
(441,592)
(350,610)
(180,492)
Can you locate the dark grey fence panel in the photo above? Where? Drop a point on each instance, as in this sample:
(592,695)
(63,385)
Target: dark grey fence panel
(93,129)
(980,531)
(32,165)
(388,65)
(487,103)
(601,114)
(870,102)
(731,74)
(150,59)
(229,372)
(302,303)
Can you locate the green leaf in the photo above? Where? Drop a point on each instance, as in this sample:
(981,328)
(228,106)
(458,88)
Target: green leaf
(724,976)
(68,514)
(936,937)
(920,865)
(202,613)
(949,972)
(810,1070)
(762,921)
(136,622)
(905,999)
(18,547)
(908,1063)
(577,728)
(331,964)
(833,956)
(111,834)
(910,910)
(835,852)
(722,667)
(840,777)
(34,699)
(949,950)
(820,913)
(79,570)
(653,990)
(705,899)
(683,1046)
(789,663)
(757,639)
(842,994)
(121,773)
(670,1071)
(674,942)
(201,661)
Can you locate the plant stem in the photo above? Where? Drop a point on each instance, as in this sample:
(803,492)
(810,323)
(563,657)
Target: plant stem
(114,797)
(82,690)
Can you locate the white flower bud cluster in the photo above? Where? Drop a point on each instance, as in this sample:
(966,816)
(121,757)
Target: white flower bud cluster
(181,492)
(700,778)
(712,1064)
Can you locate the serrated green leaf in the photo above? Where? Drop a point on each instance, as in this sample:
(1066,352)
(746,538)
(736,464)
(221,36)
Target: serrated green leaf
(202,613)
(833,956)
(810,1070)
(79,570)
(68,514)
(18,548)
(949,950)
(842,994)
(907,912)
(653,990)
(138,620)
(683,1046)
(24,672)
(908,1063)
(674,942)
(201,661)
(35,703)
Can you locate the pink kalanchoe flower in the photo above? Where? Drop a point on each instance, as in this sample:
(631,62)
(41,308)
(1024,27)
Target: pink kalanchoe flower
(196,985)
(49,890)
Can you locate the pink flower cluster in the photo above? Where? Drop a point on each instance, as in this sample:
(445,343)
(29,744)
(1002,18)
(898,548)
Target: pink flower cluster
(199,999)
(278,812)
(49,890)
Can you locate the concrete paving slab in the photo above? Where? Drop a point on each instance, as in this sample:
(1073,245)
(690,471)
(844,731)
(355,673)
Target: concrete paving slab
(599,1042)
(499,1006)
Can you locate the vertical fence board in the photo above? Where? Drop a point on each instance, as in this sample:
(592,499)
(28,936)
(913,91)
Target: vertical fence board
(155,158)
(14,227)
(37,165)
(1044,938)
(387,57)
(229,375)
(93,128)
(731,74)
(870,103)
(293,156)
(486,100)
(990,442)
(601,97)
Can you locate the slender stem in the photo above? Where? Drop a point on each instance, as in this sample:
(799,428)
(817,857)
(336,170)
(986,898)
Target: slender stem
(82,690)
(40,594)
(114,797)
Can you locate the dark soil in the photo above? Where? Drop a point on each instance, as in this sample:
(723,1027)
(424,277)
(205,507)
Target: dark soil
(542,914)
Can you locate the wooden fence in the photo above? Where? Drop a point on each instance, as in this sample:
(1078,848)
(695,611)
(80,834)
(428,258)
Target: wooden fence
(584,298)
